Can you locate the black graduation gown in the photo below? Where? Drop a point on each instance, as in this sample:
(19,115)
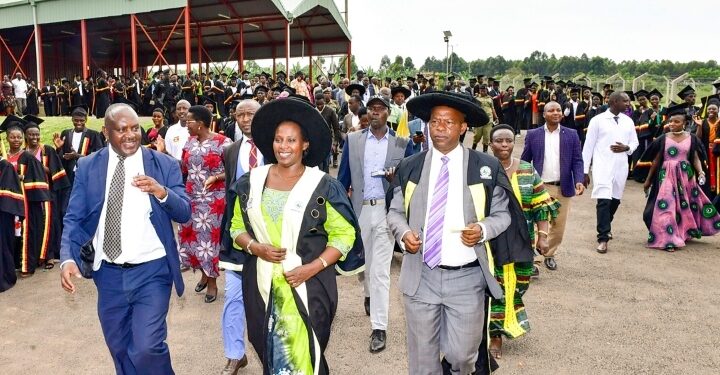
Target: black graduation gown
(59,187)
(188,91)
(322,288)
(35,227)
(11,205)
(32,103)
(102,98)
(63,100)
(90,141)
(47,93)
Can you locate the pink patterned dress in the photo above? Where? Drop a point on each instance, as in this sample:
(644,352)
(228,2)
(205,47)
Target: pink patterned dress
(681,210)
(200,238)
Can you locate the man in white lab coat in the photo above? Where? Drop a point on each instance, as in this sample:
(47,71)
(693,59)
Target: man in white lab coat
(610,139)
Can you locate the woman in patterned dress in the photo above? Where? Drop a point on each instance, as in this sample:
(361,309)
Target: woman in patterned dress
(677,209)
(202,163)
(507,315)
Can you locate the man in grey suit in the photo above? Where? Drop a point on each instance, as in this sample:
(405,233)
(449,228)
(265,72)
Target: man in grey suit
(366,169)
(239,158)
(445,275)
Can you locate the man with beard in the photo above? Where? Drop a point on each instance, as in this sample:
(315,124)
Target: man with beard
(135,89)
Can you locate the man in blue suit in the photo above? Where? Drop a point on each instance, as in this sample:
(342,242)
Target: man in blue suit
(123,202)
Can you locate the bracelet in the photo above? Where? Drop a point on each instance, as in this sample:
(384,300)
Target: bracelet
(543,232)
(247,247)
(323,261)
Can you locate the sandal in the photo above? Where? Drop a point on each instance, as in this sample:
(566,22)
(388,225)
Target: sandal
(49,265)
(495,348)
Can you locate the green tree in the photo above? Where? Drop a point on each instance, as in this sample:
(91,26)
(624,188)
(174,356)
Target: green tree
(384,62)
(408,64)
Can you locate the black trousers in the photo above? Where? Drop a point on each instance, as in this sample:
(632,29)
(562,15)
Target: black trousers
(606,209)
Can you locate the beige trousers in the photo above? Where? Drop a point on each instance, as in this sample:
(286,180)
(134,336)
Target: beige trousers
(557,227)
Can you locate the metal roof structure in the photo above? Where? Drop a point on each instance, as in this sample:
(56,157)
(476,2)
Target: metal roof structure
(131,34)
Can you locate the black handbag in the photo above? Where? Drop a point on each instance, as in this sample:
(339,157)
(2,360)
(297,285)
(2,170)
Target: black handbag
(87,259)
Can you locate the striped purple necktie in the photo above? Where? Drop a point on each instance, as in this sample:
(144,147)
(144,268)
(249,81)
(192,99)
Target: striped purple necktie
(436,215)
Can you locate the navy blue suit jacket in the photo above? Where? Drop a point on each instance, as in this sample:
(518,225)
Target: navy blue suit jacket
(88,197)
(571,162)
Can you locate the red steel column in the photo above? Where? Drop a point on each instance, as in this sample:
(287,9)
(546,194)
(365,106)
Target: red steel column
(133,44)
(1,60)
(310,65)
(241,49)
(83,40)
(188,51)
(39,58)
(123,45)
(199,33)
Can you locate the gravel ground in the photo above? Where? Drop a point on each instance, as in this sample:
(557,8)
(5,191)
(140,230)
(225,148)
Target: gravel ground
(630,311)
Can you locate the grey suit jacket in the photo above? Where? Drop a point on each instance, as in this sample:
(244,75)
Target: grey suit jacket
(352,163)
(495,223)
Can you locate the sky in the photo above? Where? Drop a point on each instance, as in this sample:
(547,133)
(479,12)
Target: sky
(617,29)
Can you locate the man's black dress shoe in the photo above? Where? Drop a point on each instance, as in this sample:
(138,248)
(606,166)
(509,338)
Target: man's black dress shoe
(377,340)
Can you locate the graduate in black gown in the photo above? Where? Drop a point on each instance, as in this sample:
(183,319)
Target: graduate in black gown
(32,100)
(72,144)
(58,183)
(11,206)
(36,194)
(102,94)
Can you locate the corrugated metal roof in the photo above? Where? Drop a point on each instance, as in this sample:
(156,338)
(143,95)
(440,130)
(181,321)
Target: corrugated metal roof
(307,5)
(15,13)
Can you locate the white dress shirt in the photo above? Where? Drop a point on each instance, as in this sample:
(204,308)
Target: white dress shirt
(551,160)
(175,139)
(20,87)
(454,252)
(609,169)
(244,154)
(566,113)
(76,140)
(140,242)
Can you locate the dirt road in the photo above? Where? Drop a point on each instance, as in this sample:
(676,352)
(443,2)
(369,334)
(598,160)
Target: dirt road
(630,311)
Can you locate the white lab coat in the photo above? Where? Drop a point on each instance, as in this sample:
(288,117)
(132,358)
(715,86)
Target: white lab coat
(609,169)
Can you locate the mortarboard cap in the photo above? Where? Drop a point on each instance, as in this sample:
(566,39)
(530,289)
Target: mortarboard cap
(410,78)
(575,89)
(244,72)
(206,100)
(678,109)
(607,86)
(560,82)
(360,72)
(451,77)
(533,83)
(11,122)
(583,87)
(641,93)
(32,120)
(712,99)
(687,90)
(597,94)
(630,94)
(79,110)
(261,88)
(655,92)
(280,73)
(717,85)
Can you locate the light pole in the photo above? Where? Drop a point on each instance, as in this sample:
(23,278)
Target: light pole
(447,35)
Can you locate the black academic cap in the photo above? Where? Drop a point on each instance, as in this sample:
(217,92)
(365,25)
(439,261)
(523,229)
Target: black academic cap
(679,109)
(79,110)
(419,75)
(641,93)
(583,87)
(451,77)
(480,76)
(410,78)
(246,72)
(570,83)
(290,90)
(547,78)
(261,88)
(533,84)
(599,95)
(223,74)
(560,82)
(655,92)
(159,108)
(527,80)
(318,77)
(607,86)
(360,72)
(342,75)
(247,96)
(207,100)
(473,79)
(575,89)
(687,90)
(281,73)
(717,85)
(12,121)
(490,79)
(33,119)
(630,94)
(705,100)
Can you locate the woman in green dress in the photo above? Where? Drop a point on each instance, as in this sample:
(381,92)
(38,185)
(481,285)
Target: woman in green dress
(507,315)
(296,222)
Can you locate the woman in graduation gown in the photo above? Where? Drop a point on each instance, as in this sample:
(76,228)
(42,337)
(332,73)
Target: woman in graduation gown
(295,222)
(677,209)
(102,94)
(11,206)
(709,133)
(32,100)
(58,184)
(35,194)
